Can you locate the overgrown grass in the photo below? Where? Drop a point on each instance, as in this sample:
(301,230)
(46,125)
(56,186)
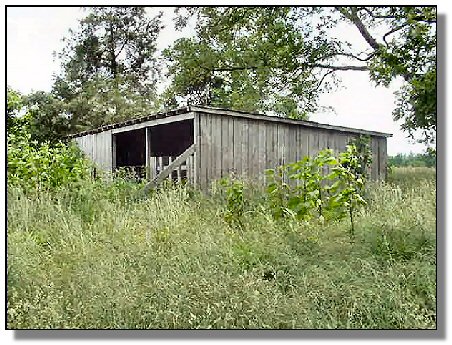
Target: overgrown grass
(94,257)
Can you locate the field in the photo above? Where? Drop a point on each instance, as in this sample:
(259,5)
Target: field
(93,257)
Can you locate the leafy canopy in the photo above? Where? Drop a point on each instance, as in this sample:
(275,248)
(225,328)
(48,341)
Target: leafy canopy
(255,59)
(109,67)
(280,59)
(37,165)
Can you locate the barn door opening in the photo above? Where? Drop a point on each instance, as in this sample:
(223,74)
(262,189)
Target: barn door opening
(129,152)
(167,142)
(163,143)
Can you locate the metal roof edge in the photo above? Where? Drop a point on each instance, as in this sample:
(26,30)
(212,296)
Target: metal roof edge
(230,112)
(173,112)
(224,111)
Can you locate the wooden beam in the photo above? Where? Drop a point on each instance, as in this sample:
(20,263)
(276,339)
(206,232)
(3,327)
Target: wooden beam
(113,153)
(196,156)
(148,154)
(278,119)
(169,169)
(156,122)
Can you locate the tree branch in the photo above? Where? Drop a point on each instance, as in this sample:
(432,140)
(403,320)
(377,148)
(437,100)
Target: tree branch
(390,32)
(353,17)
(308,65)
(340,68)
(417,18)
(323,78)
(367,58)
(120,50)
(235,68)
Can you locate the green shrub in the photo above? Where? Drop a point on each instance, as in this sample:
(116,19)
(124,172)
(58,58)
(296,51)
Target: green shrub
(320,187)
(235,201)
(37,166)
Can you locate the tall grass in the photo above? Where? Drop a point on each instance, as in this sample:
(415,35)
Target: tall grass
(94,257)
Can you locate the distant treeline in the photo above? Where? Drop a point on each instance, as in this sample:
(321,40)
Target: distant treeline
(413,160)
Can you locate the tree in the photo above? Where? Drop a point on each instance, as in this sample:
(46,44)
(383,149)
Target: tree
(255,59)
(46,117)
(108,67)
(282,58)
(406,49)
(39,113)
(14,105)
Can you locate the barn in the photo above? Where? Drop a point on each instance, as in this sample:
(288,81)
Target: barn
(202,144)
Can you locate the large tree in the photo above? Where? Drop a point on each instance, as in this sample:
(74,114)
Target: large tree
(282,58)
(406,49)
(46,117)
(40,112)
(250,59)
(109,68)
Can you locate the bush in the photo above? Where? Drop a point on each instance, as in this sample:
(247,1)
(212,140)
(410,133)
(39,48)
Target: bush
(320,187)
(37,166)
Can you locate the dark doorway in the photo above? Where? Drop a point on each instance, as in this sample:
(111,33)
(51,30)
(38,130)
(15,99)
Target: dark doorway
(167,142)
(171,139)
(130,151)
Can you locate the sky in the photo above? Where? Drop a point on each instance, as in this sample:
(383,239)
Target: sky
(33,34)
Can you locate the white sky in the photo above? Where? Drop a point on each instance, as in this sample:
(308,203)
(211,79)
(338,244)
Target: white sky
(34,33)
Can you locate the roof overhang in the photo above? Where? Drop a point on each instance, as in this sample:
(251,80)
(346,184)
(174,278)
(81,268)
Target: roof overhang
(157,118)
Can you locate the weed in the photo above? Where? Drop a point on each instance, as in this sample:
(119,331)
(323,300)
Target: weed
(168,261)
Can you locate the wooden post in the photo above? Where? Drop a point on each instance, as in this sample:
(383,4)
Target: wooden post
(179,175)
(196,157)
(152,167)
(113,153)
(170,160)
(188,165)
(160,165)
(149,176)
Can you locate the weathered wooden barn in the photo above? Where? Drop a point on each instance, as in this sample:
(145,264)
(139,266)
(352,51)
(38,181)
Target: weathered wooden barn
(202,144)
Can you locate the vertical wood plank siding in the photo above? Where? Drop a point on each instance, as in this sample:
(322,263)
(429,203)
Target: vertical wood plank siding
(374,147)
(262,148)
(98,147)
(244,146)
(247,147)
(205,130)
(237,146)
(382,158)
(197,154)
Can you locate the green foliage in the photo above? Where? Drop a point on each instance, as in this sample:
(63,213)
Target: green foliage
(323,187)
(416,106)
(14,106)
(36,166)
(409,51)
(278,192)
(40,112)
(405,177)
(108,67)
(305,197)
(427,159)
(251,58)
(46,116)
(270,59)
(235,201)
(92,257)
(349,184)
(364,155)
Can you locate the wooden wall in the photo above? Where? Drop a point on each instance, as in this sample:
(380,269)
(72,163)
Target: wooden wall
(98,147)
(246,147)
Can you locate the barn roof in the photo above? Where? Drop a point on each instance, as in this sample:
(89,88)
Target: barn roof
(229,112)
